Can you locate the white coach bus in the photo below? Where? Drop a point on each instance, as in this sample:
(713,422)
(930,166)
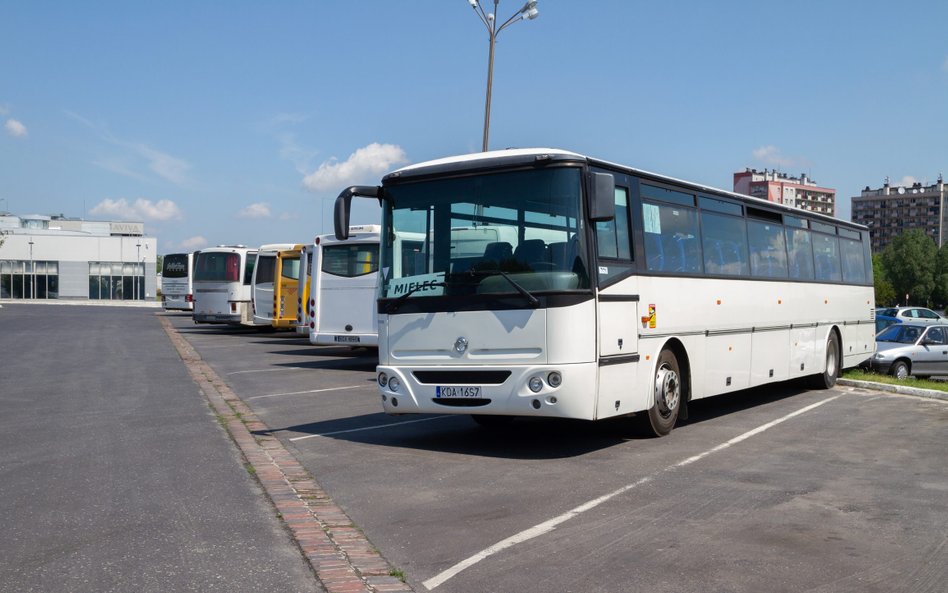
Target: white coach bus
(343,288)
(624,292)
(222,285)
(177,292)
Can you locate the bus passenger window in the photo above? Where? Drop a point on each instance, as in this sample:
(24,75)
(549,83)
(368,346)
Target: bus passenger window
(671,239)
(826,258)
(800,254)
(854,268)
(724,240)
(768,250)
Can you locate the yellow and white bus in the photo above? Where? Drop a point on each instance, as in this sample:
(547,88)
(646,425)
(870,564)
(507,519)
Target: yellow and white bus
(304,303)
(222,277)
(266,283)
(343,289)
(615,291)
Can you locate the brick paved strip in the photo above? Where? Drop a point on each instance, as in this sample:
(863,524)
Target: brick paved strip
(339,553)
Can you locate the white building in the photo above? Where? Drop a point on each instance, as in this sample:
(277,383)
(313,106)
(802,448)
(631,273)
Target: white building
(53,257)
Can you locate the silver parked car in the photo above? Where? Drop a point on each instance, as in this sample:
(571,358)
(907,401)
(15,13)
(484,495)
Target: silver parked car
(915,349)
(912,314)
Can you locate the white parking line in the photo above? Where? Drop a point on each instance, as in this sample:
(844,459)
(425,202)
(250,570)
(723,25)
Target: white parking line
(551,524)
(302,392)
(375,427)
(267,370)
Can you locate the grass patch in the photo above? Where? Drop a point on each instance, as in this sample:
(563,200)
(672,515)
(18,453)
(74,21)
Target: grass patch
(398,574)
(858,375)
(250,469)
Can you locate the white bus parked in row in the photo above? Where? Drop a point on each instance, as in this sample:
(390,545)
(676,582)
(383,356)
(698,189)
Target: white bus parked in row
(343,289)
(222,278)
(177,292)
(609,291)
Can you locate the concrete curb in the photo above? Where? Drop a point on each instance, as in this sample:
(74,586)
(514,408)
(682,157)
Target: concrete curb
(900,389)
(340,555)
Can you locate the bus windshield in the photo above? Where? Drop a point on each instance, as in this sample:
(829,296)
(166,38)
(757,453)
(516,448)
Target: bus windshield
(472,235)
(175,265)
(217,266)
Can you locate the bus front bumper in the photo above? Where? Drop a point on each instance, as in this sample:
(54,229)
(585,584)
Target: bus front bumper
(459,390)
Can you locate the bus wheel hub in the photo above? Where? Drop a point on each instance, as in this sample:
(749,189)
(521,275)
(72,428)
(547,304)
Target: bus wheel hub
(667,390)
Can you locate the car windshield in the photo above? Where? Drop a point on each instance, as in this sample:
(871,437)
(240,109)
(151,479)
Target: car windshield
(890,312)
(901,334)
(496,233)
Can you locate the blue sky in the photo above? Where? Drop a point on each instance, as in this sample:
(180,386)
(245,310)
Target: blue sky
(239,122)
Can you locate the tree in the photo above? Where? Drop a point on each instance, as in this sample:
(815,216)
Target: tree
(909,263)
(885,294)
(940,293)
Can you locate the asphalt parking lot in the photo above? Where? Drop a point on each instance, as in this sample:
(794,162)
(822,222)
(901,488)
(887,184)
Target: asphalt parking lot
(771,489)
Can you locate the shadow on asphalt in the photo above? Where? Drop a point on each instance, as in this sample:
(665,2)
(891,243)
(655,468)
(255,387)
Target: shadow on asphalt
(524,438)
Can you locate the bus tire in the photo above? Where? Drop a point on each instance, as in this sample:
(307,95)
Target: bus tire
(827,379)
(663,414)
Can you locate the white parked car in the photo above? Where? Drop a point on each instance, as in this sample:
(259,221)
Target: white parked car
(912,314)
(915,349)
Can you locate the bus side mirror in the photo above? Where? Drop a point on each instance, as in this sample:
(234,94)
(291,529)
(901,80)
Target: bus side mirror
(343,205)
(602,199)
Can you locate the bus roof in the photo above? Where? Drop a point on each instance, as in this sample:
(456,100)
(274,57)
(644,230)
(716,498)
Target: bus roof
(527,156)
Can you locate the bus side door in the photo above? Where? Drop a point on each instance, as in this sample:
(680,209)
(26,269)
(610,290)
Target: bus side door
(617,307)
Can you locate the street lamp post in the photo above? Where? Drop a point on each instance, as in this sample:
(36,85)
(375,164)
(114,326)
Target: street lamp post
(32,273)
(138,257)
(529,12)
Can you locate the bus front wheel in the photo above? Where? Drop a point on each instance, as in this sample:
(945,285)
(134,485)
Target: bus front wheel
(668,393)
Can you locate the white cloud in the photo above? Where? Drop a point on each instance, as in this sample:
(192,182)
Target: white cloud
(15,128)
(142,209)
(257,210)
(171,168)
(193,243)
(162,164)
(907,181)
(771,155)
(364,165)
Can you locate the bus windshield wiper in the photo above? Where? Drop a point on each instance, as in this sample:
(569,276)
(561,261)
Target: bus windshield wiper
(393,306)
(532,300)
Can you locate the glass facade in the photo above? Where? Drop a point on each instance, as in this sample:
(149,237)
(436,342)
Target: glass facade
(116,281)
(29,280)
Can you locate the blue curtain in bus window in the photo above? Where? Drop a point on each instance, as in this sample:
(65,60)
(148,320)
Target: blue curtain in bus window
(854,266)
(800,254)
(671,239)
(768,249)
(826,258)
(724,240)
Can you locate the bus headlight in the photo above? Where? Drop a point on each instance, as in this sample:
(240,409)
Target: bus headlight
(554,379)
(394,384)
(535,384)
(383,379)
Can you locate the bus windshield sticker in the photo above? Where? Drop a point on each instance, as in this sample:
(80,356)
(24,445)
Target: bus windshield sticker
(652,219)
(603,270)
(422,285)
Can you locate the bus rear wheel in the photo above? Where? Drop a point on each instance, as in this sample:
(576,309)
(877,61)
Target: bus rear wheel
(663,414)
(827,379)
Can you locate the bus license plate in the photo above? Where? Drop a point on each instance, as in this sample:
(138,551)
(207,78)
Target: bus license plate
(347,339)
(457,391)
